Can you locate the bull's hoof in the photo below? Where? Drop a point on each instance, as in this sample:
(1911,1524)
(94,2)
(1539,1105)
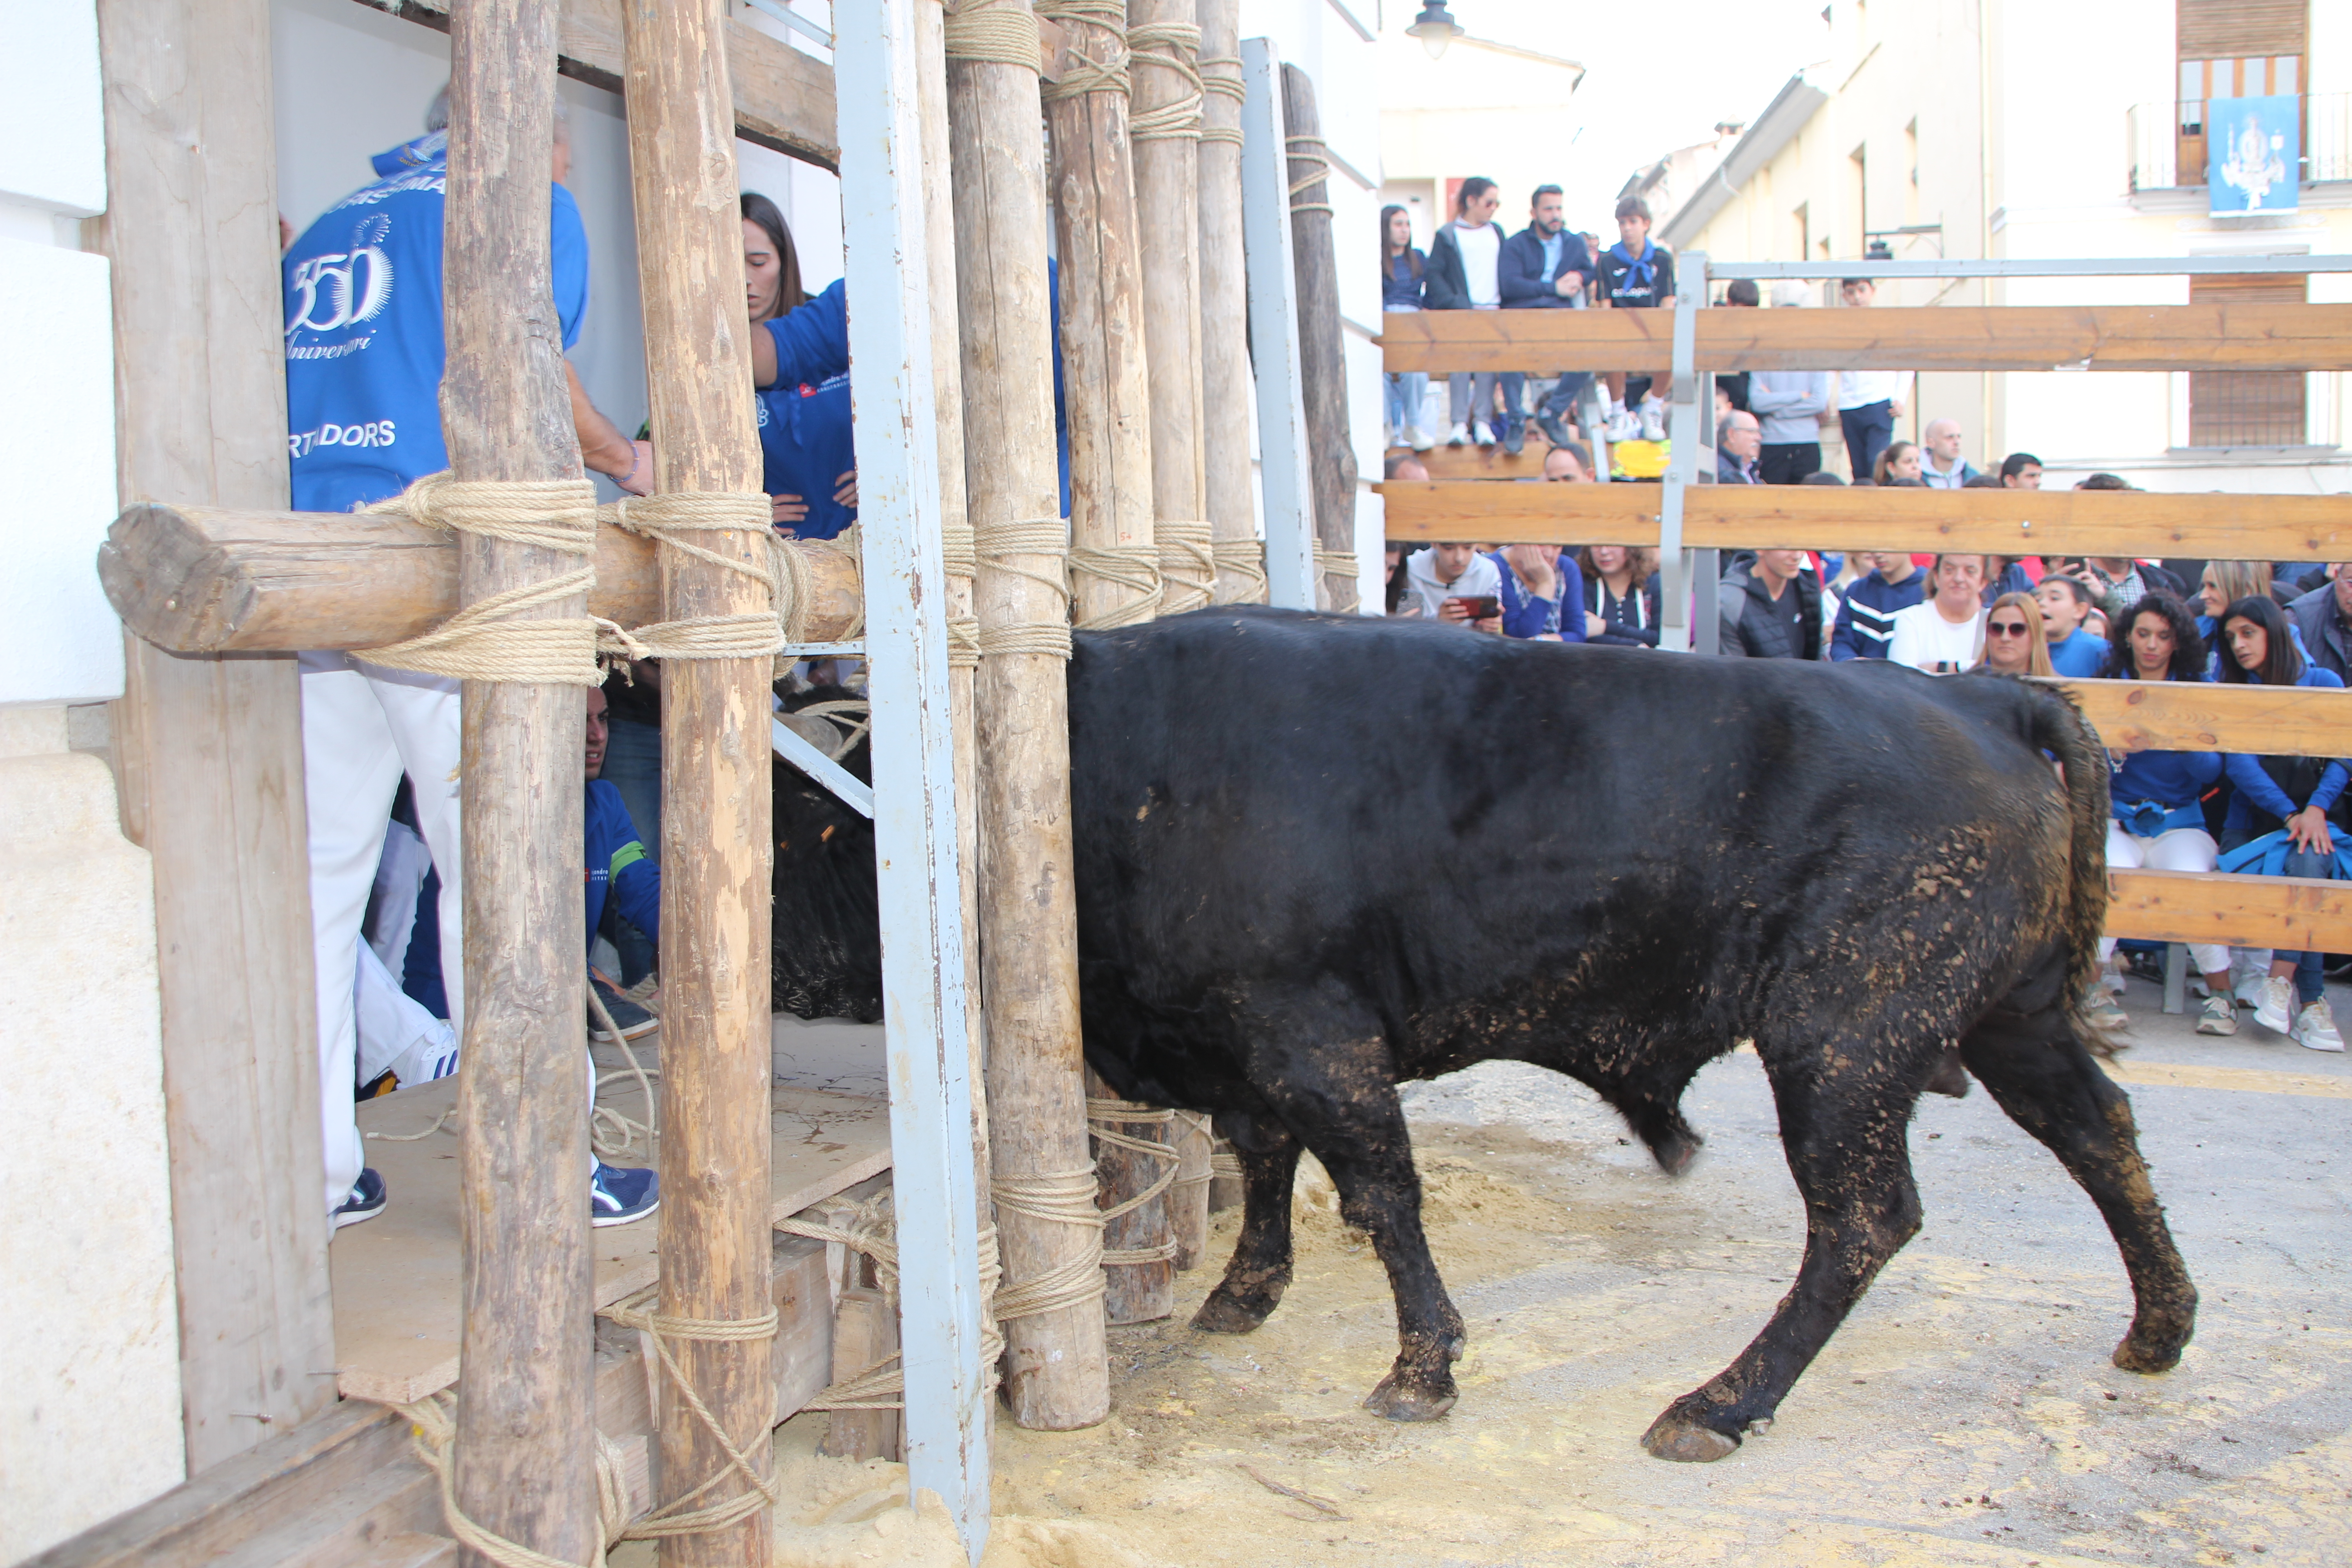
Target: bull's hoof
(1676,1151)
(1412,1396)
(2150,1351)
(1226,1313)
(1677,1436)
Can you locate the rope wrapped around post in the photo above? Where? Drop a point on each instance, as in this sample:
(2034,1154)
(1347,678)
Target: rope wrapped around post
(1308,150)
(1187,563)
(1175,45)
(1222,74)
(1245,559)
(677,1516)
(432,1434)
(997,544)
(1100,1113)
(960,552)
(997,35)
(1082,73)
(669,520)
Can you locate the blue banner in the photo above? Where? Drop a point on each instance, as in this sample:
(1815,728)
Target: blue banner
(2253,149)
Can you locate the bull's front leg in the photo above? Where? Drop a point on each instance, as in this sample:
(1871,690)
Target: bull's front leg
(1260,1266)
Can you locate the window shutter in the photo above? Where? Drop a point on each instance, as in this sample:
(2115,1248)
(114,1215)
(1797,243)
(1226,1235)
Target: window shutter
(2237,29)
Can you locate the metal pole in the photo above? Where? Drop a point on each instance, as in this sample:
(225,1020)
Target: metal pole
(1682,465)
(920,870)
(1284,475)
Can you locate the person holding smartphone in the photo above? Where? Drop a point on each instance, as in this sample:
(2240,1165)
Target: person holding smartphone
(1457,585)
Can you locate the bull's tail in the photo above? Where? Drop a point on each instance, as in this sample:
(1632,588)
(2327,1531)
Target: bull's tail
(2058,726)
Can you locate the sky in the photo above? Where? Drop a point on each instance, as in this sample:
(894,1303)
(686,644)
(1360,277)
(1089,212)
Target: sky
(1659,73)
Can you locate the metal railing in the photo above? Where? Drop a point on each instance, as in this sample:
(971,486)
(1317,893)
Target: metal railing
(2167,141)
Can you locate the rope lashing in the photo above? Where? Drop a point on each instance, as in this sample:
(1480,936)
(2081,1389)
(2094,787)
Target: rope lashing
(961,555)
(1100,1114)
(670,520)
(1245,559)
(1187,563)
(870,1232)
(1198,1121)
(1005,34)
(851,718)
(999,547)
(489,640)
(1339,564)
(1174,46)
(1225,1162)
(1135,567)
(432,1434)
(610,1133)
(1222,74)
(1060,1197)
(1082,73)
(1308,149)
(678,1517)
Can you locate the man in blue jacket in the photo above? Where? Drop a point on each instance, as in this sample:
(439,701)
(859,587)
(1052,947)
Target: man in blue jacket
(1865,621)
(1544,268)
(363,360)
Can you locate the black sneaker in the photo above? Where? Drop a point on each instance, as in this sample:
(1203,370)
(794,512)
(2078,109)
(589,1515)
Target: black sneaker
(631,1019)
(1515,437)
(1553,430)
(366,1202)
(618,1195)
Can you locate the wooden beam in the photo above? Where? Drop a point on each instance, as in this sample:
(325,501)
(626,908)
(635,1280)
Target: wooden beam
(1167,227)
(209,751)
(2285,913)
(1231,490)
(783,96)
(717,854)
(2205,336)
(2184,716)
(211,580)
(1322,352)
(2008,522)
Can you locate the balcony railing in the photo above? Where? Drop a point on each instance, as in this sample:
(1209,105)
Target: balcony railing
(2168,147)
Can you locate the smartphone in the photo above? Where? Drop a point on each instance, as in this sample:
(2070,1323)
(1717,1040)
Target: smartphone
(1481,607)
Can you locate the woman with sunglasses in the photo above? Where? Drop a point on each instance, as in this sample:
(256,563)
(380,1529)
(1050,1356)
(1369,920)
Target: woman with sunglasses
(2296,794)
(2157,798)
(2013,641)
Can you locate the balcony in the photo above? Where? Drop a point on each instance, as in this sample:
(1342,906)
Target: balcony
(2167,143)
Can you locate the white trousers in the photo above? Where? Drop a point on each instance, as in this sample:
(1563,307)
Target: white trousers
(363,727)
(2182,849)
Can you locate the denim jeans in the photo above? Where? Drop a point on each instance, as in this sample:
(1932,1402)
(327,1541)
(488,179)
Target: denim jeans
(1473,395)
(2309,982)
(633,763)
(1869,430)
(1407,391)
(1562,402)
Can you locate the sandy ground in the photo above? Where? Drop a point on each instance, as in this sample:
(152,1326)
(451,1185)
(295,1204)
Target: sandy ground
(1966,1414)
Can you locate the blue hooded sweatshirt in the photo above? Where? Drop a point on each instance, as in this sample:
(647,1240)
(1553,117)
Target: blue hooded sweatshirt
(364,341)
(617,866)
(1866,620)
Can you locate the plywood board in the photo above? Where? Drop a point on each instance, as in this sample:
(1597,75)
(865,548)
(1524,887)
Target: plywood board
(2008,522)
(2208,335)
(396,1278)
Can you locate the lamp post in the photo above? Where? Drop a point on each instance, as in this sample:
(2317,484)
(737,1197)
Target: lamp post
(1435,27)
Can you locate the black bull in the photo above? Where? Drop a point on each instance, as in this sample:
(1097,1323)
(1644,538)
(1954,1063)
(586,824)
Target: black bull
(1319,857)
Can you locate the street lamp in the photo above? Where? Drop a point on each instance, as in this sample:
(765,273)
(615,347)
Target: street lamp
(1435,27)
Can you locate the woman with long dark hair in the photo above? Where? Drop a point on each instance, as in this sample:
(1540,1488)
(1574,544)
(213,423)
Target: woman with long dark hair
(1403,270)
(1621,595)
(2296,796)
(809,464)
(2156,799)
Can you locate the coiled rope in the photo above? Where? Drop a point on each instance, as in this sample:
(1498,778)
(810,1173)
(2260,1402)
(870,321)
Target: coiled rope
(1174,45)
(1005,34)
(1308,149)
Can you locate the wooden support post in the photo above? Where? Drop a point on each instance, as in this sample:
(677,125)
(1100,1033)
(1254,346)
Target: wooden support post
(1107,388)
(1055,1374)
(1163,40)
(864,1334)
(1142,1288)
(525,1401)
(1322,355)
(716,849)
(1188,1200)
(1225,314)
(209,751)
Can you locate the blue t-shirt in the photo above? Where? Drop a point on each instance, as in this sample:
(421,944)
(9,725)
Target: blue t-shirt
(2080,657)
(805,446)
(363,343)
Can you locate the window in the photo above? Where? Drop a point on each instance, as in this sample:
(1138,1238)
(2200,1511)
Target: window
(2246,408)
(2232,49)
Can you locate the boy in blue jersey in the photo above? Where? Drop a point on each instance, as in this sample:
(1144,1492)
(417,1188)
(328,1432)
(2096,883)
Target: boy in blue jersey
(364,361)
(2066,604)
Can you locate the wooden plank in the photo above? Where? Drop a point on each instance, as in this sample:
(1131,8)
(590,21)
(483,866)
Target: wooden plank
(2172,716)
(864,1333)
(718,855)
(2208,335)
(209,580)
(396,1284)
(1472,462)
(2010,522)
(2286,913)
(210,750)
(783,96)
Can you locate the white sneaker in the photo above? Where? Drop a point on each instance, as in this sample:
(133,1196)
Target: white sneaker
(2100,1010)
(2314,1028)
(2219,1016)
(2276,1004)
(1653,420)
(1624,427)
(1461,436)
(1417,438)
(2250,972)
(1480,433)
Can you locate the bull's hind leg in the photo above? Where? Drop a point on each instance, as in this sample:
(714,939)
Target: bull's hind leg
(1260,1268)
(2028,1057)
(1842,1126)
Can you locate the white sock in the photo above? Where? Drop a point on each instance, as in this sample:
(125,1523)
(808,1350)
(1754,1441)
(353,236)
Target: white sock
(1616,407)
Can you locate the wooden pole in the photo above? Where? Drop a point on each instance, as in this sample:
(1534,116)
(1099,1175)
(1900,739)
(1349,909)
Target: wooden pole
(1225,314)
(525,1405)
(1322,354)
(1164,40)
(1188,1200)
(717,1055)
(209,751)
(1055,1375)
(1142,1288)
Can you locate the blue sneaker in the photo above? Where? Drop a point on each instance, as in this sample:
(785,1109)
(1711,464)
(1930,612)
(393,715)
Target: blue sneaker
(618,1195)
(367,1200)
